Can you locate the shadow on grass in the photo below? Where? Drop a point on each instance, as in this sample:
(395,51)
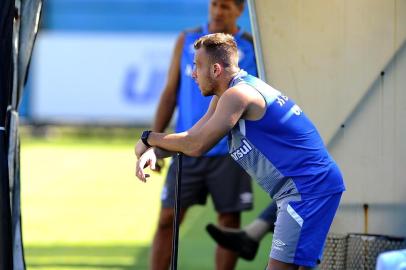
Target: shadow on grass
(120,257)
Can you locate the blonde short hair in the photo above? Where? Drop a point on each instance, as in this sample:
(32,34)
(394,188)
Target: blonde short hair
(220,47)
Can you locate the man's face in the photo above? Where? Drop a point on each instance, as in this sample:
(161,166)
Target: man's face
(223,14)
(202,73)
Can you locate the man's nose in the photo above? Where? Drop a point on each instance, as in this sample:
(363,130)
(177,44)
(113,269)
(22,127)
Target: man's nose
(217,12)
(194,74)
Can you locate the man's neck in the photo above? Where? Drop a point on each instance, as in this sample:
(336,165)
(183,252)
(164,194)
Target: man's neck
(232,30)
(224,84)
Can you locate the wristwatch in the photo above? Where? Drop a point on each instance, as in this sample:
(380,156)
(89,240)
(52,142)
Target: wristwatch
(144,137)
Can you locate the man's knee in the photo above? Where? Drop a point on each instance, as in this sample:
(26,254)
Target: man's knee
(165,219)
(231,220)
(166,216)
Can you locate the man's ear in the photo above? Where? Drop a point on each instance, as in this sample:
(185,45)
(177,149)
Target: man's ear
(240,9)
(217,70)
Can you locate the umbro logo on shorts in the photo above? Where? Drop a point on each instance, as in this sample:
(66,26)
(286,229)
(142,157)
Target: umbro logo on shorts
(278,244)
(246,197)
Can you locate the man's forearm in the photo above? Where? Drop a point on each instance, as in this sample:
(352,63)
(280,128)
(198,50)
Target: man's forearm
(161,153)
(177,142)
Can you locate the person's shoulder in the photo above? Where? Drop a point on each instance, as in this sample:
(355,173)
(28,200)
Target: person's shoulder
(237,93)
(247,37)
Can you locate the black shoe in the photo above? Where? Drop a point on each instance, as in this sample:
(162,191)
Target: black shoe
(237,241)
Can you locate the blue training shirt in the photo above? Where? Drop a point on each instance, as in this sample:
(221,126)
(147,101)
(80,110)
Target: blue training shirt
(283,150)
(190,102)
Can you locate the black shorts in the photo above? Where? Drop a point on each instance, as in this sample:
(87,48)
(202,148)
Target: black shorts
(221,177)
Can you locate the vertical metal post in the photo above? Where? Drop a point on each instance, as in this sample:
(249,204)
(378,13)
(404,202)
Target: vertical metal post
(257,40)
(366,207)
(176,220)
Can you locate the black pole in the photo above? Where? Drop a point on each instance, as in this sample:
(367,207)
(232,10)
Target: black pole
(176,220)
(6,255)
(6,84)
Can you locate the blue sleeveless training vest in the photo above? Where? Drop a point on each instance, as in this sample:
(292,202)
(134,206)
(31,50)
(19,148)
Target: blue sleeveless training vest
(283,150)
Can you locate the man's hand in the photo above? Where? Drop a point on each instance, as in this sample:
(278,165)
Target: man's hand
(140,148)
(148,159)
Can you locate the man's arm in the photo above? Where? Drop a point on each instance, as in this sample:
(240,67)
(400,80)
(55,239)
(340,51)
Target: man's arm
(167,102)
(199,139)
(161,153)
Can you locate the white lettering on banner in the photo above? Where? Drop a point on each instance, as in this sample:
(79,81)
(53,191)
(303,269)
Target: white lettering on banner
(241,151)
(154,82)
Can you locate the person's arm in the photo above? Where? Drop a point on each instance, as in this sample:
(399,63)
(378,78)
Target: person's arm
(199,139)
(167,101)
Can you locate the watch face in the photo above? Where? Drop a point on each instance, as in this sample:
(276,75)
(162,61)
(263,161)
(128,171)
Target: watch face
(144,137)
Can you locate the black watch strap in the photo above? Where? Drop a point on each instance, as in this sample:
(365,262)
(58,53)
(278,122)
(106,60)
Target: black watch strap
(144,137)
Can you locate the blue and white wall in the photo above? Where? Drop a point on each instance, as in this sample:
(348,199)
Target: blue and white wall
(105,62)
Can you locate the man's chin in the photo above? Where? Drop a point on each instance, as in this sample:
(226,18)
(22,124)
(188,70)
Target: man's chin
(218,27)
(206,93)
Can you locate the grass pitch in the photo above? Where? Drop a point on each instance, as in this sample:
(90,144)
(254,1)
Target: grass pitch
(83,208)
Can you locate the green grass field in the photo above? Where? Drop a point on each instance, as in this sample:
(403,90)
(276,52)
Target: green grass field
(83,208)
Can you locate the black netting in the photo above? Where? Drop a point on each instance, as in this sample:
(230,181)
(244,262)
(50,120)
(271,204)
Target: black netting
(363,249)
(334,254)
(357,251)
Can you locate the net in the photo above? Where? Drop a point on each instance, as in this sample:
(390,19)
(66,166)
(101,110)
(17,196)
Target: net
(357,251)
